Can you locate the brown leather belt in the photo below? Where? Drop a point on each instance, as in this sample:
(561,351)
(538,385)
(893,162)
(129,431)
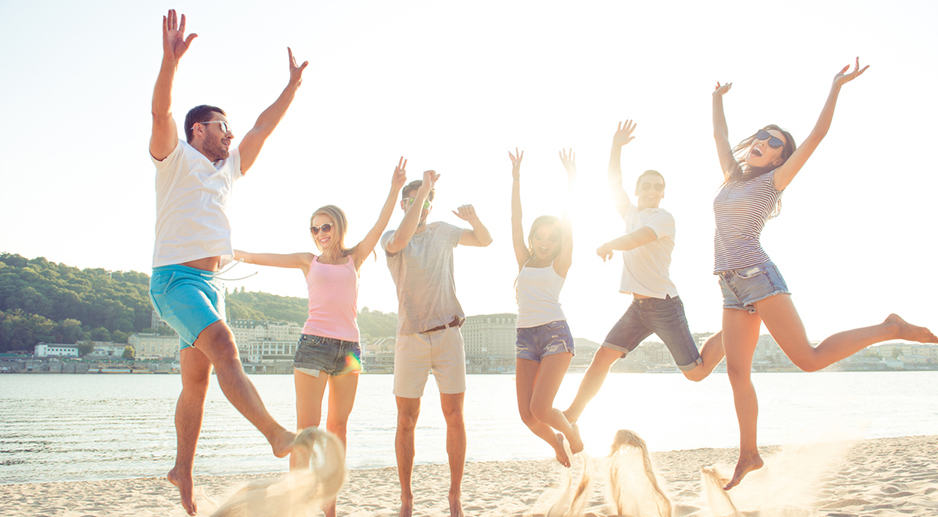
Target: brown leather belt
(455,323)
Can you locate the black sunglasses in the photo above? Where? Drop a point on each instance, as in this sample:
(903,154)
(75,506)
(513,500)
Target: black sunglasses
(326,228)
(774,142)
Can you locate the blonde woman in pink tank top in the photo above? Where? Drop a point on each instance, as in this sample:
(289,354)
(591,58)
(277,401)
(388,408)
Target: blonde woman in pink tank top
(544,343)
(328,351)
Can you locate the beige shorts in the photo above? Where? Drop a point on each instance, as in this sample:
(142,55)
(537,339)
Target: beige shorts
(416,355)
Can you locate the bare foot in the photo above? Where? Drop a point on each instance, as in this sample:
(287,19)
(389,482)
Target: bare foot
(183,481)
(745,465)
(576,443)
(568,414)
(282,442)
(407,508)
(910,332)
(455,505)
(560,452)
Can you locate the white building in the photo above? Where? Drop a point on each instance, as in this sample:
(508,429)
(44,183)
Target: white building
(154,346)
(55,350)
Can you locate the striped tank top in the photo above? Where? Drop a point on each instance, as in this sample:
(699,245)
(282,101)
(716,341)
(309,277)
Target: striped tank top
(741,209)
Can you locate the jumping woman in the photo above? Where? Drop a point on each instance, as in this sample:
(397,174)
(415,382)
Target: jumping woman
(328,351)
(545,344)
(755,173)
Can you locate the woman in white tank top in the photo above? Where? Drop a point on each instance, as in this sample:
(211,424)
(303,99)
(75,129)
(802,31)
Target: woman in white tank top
(328,351)
(544,345)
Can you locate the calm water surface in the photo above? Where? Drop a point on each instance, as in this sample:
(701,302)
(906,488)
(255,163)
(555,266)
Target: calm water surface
(84,427)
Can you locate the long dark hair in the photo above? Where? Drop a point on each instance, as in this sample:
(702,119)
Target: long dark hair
(743,170)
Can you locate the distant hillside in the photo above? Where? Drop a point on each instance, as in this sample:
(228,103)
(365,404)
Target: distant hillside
(51,302)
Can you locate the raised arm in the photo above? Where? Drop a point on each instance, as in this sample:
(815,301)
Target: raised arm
(479,234)
(290,260)
(164,136)
(622,136)
(721,135)
(565,257)
(367,245)
(629,241)
(517,228)
(405,231)
(251,145)
(787,171)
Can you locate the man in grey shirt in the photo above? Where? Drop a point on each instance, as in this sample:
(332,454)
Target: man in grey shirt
(420,257)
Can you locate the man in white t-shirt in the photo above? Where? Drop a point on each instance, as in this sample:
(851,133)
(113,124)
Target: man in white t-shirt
(194,178)
(656,308)
(420,258)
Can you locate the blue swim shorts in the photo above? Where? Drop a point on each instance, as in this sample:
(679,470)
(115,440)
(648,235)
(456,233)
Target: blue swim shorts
(662,316)
(743,287)
(188,299)
(536,343)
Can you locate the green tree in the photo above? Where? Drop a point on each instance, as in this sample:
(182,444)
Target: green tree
(128,352)
(84,348)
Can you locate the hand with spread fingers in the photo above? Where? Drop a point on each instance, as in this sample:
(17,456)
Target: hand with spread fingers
(623,133)
(568,159)
(296,72)
(466,213)
(400,175)
(516,163)
(175,41)
(843,77)
(721,89)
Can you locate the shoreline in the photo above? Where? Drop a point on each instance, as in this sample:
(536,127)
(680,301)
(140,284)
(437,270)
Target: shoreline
(881,476)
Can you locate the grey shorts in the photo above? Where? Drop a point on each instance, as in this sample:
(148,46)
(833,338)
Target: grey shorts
(662,316)
(743,287)
(315,354)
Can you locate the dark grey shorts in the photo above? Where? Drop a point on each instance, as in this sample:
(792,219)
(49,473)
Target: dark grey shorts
(662,316)
(328,355)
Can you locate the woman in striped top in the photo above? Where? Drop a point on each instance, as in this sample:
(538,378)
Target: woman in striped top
(544,344)
(755,173)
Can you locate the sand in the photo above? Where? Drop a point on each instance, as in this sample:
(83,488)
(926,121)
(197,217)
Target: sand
(889,476)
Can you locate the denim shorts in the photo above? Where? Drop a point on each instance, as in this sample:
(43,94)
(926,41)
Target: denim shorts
(315,354)
(188,299)
(743,287)
(662,316)
(536,343)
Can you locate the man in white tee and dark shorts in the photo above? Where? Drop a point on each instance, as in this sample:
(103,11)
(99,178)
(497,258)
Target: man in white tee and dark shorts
(194,178)
(420,258)
(656,307)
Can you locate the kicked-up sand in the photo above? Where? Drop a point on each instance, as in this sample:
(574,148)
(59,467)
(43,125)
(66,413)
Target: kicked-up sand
(885,477)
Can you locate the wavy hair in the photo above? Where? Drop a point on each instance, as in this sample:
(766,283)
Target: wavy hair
(341,225)
(540,222)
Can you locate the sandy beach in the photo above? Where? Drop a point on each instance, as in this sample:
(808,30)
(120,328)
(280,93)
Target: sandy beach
(889,476)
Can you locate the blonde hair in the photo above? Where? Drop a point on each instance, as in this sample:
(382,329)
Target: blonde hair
(544,220)
(341,225)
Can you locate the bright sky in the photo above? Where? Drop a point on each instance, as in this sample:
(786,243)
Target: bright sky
(453,86)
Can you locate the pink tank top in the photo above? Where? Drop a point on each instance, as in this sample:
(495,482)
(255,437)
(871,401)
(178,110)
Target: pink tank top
(333,300)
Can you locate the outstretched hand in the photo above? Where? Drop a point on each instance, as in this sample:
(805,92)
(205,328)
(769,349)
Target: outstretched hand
(400,175)
(516,163)
(604,252)
(623,134)
(296,72)
(721,89)
(568,159)
(466,213)
(175,41)
(842,77)
(429,179)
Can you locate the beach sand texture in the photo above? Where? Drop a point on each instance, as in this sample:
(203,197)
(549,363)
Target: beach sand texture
(889,476)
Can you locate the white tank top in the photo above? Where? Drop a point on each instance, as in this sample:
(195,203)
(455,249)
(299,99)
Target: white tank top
(538,291)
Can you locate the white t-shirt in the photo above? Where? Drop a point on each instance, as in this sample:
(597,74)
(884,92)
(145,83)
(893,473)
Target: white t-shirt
(191,201)
(645,268)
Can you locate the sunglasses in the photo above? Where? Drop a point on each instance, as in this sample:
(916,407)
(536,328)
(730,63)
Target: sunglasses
(325,227)
(223,125)
(648,186)
(411,200)
(774,142)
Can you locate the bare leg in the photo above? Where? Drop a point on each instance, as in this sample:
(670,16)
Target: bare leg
(407,412)
(592,381)
(711,353)
(195,371)
(342,390)
(780,317)
(217,343)
(309,392)
(525,375)
(549,376)
(452,404)
(740,336)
